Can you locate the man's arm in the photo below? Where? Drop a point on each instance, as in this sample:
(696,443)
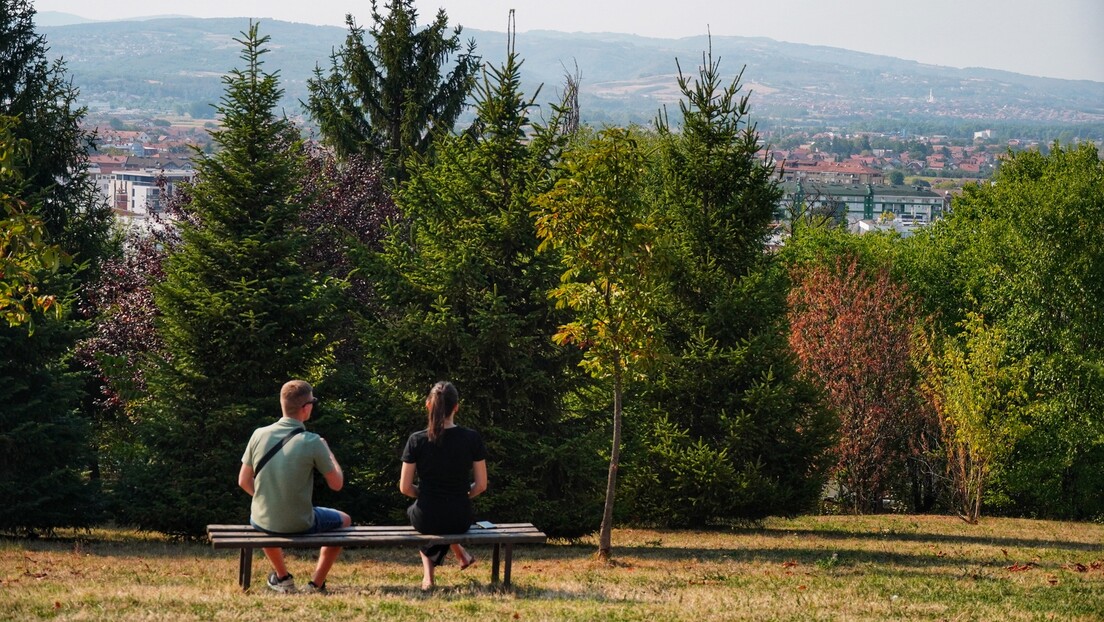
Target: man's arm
(245,478)
(335,479)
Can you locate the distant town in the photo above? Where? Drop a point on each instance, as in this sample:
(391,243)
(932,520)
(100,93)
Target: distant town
(864,180)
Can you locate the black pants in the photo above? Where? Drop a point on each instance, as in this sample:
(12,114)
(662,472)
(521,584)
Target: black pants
(440,517)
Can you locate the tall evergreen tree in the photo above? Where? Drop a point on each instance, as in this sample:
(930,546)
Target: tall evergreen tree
(466,297)
(387,100)
(239,314)
(44,440)
(729,397)
(43,98)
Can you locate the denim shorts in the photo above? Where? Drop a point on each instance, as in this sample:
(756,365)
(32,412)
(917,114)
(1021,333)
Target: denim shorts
(325,519)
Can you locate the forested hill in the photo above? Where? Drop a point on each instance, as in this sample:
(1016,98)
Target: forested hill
(175,64)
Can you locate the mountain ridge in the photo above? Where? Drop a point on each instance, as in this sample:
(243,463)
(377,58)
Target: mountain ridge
(174,63)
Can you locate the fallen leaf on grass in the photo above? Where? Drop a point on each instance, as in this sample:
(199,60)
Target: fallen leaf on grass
(1077,566)
(1051,579)
(789,564)
(1022,567)
(802,588)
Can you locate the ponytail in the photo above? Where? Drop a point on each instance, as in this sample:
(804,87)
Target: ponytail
(442,400)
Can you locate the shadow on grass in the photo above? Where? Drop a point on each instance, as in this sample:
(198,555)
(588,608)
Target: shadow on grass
(464,592)
(945,539)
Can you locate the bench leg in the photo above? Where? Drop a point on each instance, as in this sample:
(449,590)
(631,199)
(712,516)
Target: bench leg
(509,564)
(245,568)
(494,565)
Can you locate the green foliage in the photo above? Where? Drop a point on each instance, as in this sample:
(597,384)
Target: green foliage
(44,447)
(57,184)
(464,298)
(239,314)
(25,256)
(1024,253)
(388,100)
(764,438)
(597,217)
(730,392)
(51,213)
(980,396)
(723,194)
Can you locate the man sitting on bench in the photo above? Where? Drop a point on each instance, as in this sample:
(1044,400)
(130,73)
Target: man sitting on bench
(278,472)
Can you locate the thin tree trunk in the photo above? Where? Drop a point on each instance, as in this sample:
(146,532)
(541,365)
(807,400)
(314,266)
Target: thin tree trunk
(605,534)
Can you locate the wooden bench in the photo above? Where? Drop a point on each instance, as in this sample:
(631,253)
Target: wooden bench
(246,538)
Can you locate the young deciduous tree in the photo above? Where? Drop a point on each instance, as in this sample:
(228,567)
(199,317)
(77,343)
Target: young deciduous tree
(597,217)
(25,256)
(979,395)
(239,313)
(387,98)
(852,331)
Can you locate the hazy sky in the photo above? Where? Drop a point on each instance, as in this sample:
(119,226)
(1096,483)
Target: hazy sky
(1054,38)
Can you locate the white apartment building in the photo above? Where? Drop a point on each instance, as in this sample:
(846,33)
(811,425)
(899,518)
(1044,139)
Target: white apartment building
(141,193)
(850,204)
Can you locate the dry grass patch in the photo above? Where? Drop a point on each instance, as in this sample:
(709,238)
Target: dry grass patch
(810,568)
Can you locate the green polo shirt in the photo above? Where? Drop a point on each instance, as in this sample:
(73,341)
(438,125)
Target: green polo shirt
(283,489)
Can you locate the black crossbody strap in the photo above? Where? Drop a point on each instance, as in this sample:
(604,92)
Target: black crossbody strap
(275,448)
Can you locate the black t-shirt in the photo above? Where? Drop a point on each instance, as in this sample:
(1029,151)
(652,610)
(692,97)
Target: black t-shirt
(444,468)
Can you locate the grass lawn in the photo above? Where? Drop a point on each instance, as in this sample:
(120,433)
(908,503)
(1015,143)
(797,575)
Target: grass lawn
(809,568)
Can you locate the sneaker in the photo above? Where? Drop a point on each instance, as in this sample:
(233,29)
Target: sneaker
(316,589)
(284,586)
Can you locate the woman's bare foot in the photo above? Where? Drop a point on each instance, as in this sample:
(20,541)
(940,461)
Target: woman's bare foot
(463,556)
(427,572)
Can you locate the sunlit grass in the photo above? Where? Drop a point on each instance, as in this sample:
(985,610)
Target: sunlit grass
(809,568)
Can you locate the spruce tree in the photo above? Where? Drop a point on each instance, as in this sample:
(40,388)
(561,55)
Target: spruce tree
(43,441)
(239,313)
(43,438)
(730,398)
(466,300)
(41,96)
(388,100)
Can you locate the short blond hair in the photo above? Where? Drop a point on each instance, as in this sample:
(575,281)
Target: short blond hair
(293,396)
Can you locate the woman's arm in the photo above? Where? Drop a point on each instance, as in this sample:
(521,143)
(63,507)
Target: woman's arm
(406,480)
(479,473)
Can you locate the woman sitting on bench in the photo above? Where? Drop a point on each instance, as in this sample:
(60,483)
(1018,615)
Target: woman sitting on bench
(450,464)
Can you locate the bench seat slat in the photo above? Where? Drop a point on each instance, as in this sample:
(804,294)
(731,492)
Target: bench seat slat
(236,543)
(246,538)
